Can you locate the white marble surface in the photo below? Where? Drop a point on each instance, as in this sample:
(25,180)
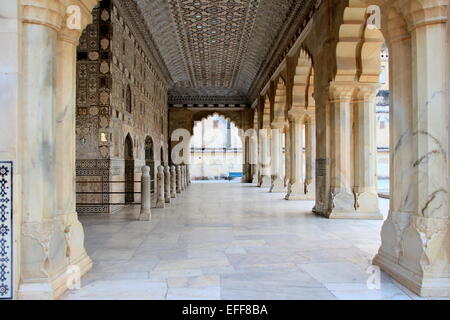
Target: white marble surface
(237,242)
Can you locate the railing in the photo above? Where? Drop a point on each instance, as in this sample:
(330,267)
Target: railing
(108,193)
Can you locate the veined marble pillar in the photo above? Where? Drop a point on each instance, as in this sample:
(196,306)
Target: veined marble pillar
(167,180)
(264,139)
(296,189)
(343,201)
(183,177)
(253,158)
(287,156)
(44,256)
(310,157)
(160,199)
(415,246)
(276,163)
(67,41)
(365,154)
(173,182)
(188,175)
(178,178)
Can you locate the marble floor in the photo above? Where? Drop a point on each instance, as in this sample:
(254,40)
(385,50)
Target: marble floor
(232,241)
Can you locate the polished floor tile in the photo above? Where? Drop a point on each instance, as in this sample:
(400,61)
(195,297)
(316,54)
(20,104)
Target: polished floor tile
(232,241)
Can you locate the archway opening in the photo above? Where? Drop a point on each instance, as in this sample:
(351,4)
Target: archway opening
(382,126)
(129,170)
(216,150)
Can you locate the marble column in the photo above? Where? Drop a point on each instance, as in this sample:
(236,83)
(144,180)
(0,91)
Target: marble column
(167,180)
(276,163)
(343,202)
(160,199)
(188,175)
(44,256)
(146,198)
(264,139)
(415,238)
(183,177)
(287,155)
(296,188)
(254,155)
(178,178)
(173,182)
(310,157)
(67,41)
(365,153)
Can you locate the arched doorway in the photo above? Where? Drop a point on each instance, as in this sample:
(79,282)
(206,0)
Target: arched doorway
(150,161)
(129,170)
(217,149)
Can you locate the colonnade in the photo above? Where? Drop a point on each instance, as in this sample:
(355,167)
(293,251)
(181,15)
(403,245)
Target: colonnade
(322,97)
(170,181)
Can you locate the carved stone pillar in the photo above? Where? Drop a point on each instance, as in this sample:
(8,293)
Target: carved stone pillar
(178,167)
(296,189)
(343,202)
(287,155)
(365,154)
(264,139)
(310,157)
(44,249)
(276,163)
(167,179)
(173,182)
(146,197)
(188,175)
(160,199)
(67,41)
(183,177)
(415,238)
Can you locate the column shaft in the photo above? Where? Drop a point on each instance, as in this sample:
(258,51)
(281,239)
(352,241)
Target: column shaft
(296,190)
(365,160)
(310,158)
(276,163)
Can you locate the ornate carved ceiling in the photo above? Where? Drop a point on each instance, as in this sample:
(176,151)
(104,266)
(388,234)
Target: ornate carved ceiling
(215,49)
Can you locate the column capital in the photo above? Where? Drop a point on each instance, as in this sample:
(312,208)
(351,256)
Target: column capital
(278,124)
(48,13)
(433,14)
(341,92)
(68,35)
(367,91)
(297,115)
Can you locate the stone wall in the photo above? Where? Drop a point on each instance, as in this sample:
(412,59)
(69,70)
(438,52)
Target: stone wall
(120,93)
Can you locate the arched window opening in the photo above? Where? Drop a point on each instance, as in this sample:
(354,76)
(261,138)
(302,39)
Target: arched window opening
(128,99)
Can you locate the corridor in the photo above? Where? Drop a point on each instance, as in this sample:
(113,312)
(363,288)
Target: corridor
(232,241)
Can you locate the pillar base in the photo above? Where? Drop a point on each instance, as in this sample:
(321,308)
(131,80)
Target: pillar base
(277,186)
(287,181)
(266,182)
(145,216)
(160,204)
(46,289)
(355,215)
(310,191)
(343,207)
(295,192)
(424,286)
